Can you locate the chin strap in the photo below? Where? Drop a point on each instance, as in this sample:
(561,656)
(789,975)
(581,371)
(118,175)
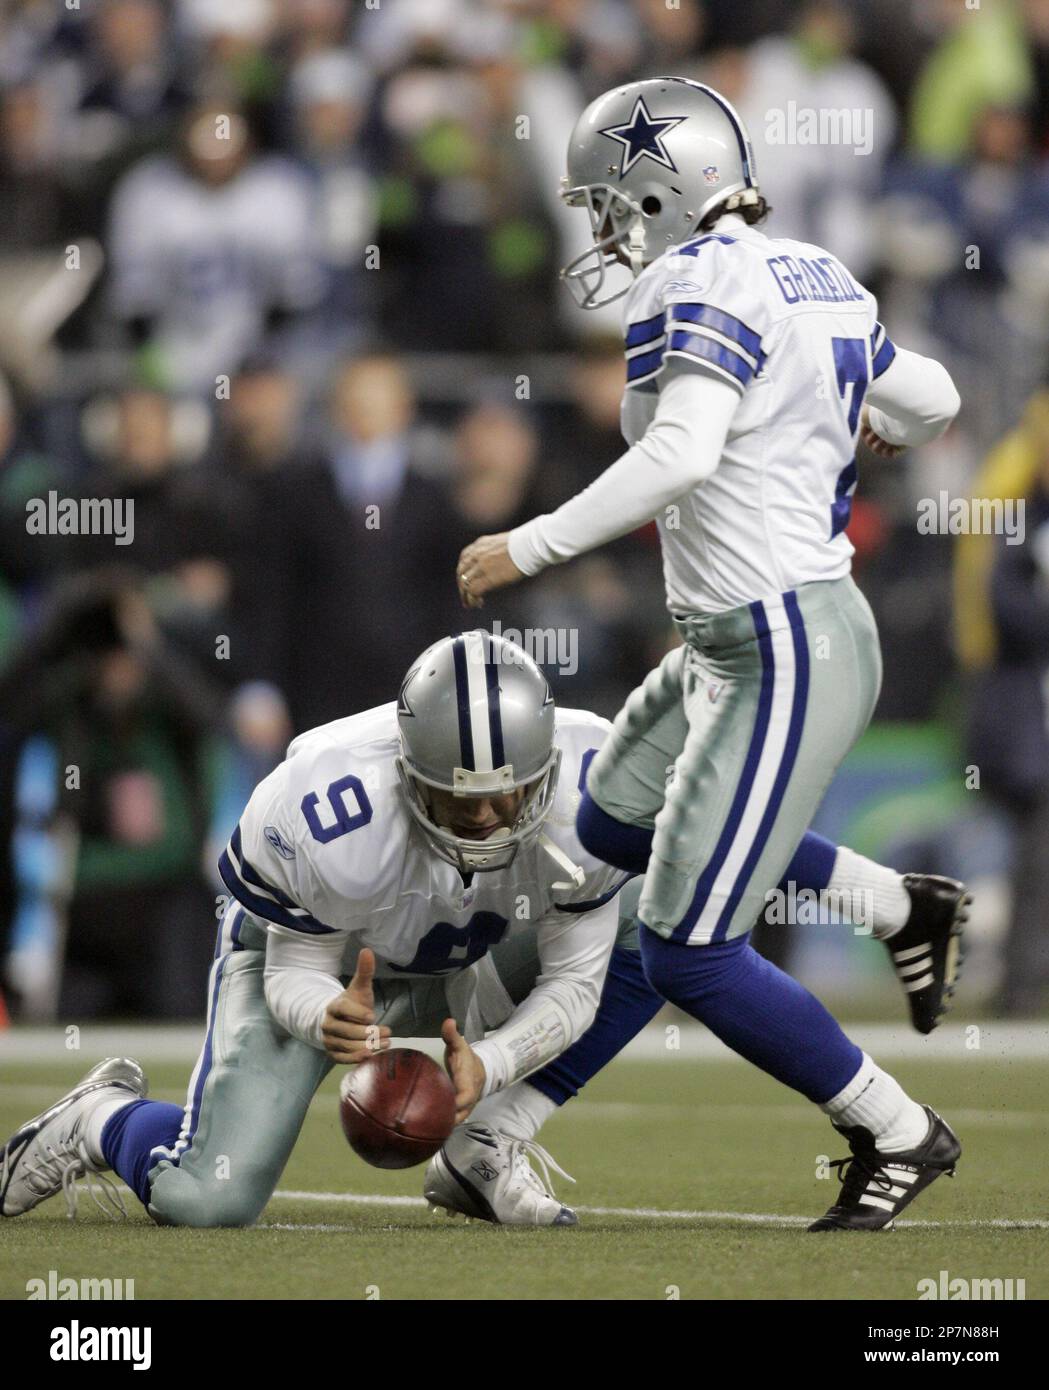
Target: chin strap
(635,246)
(744,199)
(563,862)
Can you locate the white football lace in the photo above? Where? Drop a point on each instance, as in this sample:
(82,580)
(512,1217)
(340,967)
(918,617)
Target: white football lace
(66,1166)
(521,1151)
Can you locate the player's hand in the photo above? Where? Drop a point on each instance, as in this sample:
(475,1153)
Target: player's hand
(874,442)
(349,1030)
(464,1067)
(485,565)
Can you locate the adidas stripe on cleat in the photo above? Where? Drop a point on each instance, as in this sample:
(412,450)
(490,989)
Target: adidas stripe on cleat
(926,953)
(876,1187)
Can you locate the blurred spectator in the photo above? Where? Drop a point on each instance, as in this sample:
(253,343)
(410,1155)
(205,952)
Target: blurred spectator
(146,445)
(1006,638)
(968,245)
(467,247)
(128,720)
(209,248)
(361,563)
(819,181)
(330,94)
(982,59)
(37,204)
(133,89)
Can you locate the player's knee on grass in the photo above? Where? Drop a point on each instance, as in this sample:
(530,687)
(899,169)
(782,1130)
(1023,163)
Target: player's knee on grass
(180,1198)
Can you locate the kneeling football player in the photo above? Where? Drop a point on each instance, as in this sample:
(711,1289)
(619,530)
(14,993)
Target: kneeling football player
(412,871)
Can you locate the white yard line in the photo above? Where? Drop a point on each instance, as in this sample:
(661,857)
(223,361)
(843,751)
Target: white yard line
(745,1218)
(952,1042)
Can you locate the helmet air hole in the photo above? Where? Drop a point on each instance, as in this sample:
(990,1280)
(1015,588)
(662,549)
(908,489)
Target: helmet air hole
(651,206)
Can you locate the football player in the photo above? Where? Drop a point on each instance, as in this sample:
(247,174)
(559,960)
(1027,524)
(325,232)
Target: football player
(753,366)
(408,872)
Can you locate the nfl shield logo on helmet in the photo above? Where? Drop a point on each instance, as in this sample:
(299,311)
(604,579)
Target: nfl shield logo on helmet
(711,174)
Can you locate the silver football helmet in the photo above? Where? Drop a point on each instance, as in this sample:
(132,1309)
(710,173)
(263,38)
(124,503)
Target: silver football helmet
(648,161)
(476,718)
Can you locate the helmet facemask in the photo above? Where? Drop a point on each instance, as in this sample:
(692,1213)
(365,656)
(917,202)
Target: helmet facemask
(500,849)
(616,223)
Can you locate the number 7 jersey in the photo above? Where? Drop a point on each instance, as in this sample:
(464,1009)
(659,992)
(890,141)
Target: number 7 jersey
(784,325)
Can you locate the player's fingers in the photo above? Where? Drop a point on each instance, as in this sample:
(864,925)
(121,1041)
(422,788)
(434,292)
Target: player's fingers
(356,1032)
(453,1039)
(364,973)
(350,1009)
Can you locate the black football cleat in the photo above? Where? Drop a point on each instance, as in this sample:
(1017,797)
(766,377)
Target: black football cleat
(927,952)
(875,1187)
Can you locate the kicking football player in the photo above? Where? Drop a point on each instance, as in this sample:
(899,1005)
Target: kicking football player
(752,366)
(427,849)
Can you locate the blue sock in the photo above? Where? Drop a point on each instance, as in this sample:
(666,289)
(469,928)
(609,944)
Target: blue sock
(756,1010)
(628,847)
(813,863)
(131,1134)
(615,842)
(628,1002)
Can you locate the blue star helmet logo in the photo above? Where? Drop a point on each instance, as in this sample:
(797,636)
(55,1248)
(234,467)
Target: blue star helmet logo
(642,138)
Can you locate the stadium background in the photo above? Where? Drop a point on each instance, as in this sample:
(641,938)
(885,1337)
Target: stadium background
(284,273)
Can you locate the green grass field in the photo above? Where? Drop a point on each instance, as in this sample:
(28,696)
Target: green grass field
(693,1176)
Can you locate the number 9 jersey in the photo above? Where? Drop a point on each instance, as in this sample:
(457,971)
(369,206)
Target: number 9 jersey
(327,848)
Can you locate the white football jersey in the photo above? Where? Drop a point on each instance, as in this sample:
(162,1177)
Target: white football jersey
(327,845)
(785,325)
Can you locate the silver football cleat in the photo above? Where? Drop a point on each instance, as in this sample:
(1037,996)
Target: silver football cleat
(47,1155)
(483,1174)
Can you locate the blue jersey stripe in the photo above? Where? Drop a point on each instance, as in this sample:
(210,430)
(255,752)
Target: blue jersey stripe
(645,331)
(584,767)
(596,902)
(266,908)
(695,344)
(692,248)
(883,357)
(717,319)
(644,364)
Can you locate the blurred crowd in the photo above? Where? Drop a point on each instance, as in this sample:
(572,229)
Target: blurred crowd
(284,272)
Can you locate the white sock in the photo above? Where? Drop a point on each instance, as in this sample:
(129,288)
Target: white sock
(520,1111)
(878,1102)
(890,903)
(96,1123)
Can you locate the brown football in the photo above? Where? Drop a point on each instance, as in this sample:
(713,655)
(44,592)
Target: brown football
(397,1108)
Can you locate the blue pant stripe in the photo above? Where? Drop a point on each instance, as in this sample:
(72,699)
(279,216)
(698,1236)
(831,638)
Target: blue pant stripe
(186,1139)
(786,767)
(709,875)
